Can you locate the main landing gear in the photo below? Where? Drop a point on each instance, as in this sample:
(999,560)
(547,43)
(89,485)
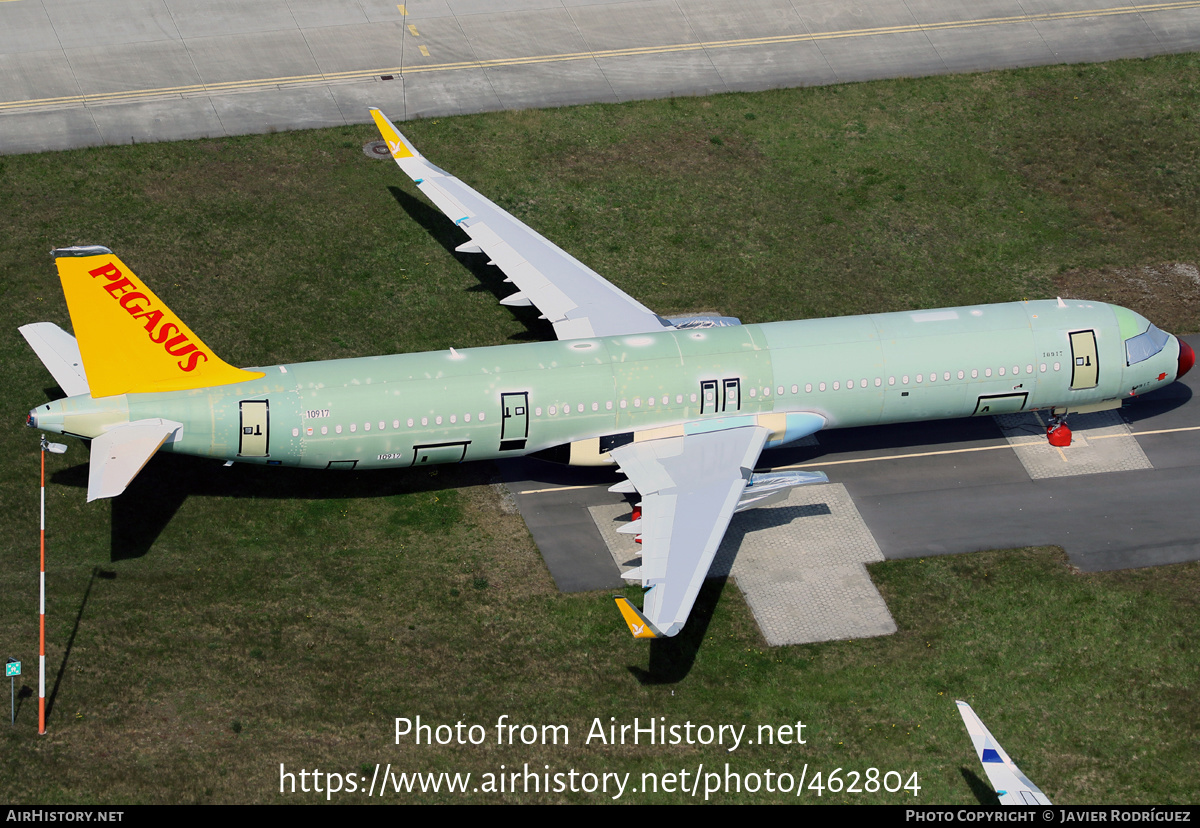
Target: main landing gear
(1057,432)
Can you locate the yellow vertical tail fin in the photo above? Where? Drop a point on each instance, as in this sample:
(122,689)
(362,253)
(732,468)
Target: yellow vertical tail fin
(129,339)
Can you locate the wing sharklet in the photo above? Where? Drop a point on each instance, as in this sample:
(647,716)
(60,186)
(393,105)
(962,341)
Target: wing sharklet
(1012,786)
(639,626)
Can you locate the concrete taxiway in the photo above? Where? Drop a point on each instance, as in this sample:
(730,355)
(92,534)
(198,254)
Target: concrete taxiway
(89,72)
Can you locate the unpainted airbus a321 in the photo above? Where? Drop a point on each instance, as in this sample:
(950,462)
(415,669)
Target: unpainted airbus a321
(682,406)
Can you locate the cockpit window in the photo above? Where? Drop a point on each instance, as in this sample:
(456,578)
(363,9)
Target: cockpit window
(1145,345)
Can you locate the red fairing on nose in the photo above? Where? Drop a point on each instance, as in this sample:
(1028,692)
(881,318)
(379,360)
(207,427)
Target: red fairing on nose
(1187,358)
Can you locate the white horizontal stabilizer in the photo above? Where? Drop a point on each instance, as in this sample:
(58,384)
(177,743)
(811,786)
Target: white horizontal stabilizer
(59,352)
(120,453)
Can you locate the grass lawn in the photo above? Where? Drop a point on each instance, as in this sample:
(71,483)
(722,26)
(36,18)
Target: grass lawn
(212,624)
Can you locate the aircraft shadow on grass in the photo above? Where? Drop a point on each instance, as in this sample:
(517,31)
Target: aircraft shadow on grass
(491,278)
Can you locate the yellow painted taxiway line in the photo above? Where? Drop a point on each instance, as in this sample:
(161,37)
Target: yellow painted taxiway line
(373,74)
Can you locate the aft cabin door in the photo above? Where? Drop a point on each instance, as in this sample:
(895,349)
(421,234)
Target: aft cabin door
(255,429)
(1085,366)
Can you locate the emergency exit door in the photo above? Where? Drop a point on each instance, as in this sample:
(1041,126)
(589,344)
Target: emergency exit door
(514,422)
(255,429)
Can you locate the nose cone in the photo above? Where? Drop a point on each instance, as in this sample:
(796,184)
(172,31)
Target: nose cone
(1187,358)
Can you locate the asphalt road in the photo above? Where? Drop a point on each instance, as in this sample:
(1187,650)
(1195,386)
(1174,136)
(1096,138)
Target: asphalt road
(89,72)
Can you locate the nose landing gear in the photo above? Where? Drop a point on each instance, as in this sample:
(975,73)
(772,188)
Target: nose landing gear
(1057,432)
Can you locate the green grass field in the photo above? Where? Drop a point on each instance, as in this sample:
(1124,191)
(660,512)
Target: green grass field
(212,624)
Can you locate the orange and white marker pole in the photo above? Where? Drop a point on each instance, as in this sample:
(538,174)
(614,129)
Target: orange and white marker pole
(42,591)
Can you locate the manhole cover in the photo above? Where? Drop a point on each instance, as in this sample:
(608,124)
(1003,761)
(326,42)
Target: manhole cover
(377,149)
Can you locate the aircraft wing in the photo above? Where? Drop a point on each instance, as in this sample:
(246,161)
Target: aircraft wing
(690,487)
(1012,786)
(577,300)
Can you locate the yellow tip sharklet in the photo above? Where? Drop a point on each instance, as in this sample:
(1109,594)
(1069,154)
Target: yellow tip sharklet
(397,143)
(129,339)
(638,625)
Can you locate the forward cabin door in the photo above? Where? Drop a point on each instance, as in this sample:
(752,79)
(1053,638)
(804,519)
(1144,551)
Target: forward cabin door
(1085,366)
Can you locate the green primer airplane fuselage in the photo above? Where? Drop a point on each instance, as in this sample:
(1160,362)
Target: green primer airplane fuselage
(576,399)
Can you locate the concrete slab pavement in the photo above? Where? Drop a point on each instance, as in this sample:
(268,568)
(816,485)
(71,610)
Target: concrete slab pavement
(458,56)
